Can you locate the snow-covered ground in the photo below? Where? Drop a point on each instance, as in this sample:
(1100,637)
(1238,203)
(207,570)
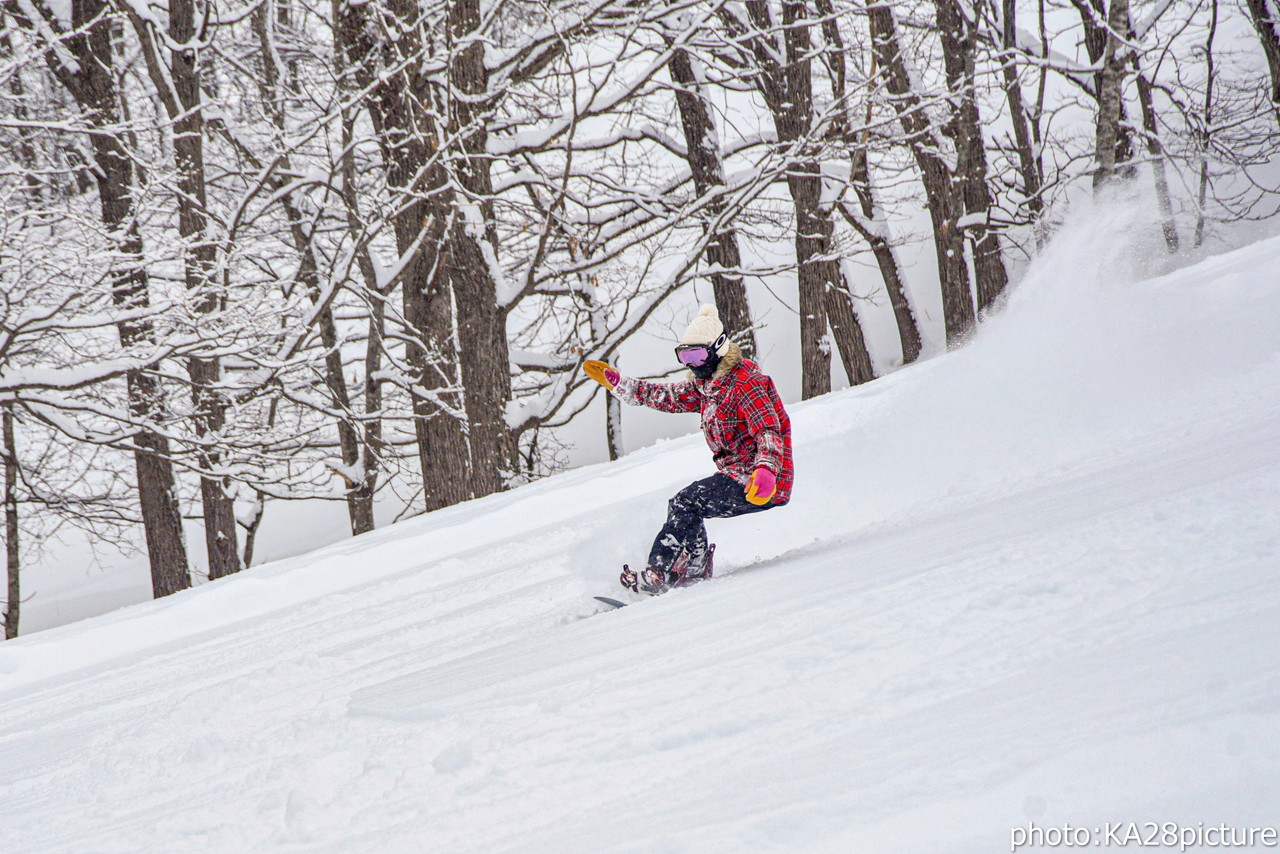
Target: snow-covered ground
(1033,582)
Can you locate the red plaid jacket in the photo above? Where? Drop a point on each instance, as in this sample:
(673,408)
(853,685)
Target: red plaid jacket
(743,419)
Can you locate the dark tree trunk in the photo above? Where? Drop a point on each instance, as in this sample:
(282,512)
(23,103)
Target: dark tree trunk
(823,292)
(360,492)
(403,115)
(886,259)
(1152,133)
(251,530)
(1203,137)
(1268,29)
(707,169)
(93,86)
(783,57)
(157,494)
(959,47)
(846,329)
(438,407)
(817,273)
(373,442)
(373,445)
(1110,135)
(200,259)
(359,497)
(1094,18)
(482,323)
(13,600)
(486,376)
(26,150)
(944,202)
(873,229)
(460,357)
(1030,167)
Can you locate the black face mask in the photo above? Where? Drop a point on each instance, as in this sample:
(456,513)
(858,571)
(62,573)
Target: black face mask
(708,368)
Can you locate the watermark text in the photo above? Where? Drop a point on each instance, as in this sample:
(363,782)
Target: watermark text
(1141,834)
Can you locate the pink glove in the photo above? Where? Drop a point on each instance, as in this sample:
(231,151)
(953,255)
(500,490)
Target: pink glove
(762,486)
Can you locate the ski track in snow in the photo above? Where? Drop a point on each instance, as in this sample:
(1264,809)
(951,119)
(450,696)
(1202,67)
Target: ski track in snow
(1032,581)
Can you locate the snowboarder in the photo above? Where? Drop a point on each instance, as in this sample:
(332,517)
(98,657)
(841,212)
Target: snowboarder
(747,429)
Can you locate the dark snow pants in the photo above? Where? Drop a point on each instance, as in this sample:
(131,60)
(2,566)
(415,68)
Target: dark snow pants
(715,497)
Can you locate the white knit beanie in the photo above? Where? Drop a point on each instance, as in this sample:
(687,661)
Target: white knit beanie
(706,329)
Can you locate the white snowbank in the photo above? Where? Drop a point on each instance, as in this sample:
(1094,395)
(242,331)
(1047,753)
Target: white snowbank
(1032,581)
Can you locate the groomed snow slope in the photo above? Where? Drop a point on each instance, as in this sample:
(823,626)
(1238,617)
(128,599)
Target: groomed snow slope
(1032,581)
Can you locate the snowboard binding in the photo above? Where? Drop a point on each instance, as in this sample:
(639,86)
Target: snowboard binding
(655,580)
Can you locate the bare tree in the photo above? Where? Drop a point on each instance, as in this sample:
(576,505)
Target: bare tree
(13,555)
(706,163)
(1266,21)
(959,40)
(1204,136)
(178,86)
(779,52)
(357,447)
(82,59)
(944,202)
(1112,146)
(1155,150)
(868,219)
(1024,118)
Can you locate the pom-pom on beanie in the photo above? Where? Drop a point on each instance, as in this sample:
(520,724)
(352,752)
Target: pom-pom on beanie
(707,329)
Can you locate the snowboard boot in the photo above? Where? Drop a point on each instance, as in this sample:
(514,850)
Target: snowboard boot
(693,572)
(655,580)
(652,581)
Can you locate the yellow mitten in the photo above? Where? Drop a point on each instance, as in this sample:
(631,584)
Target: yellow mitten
(601,373)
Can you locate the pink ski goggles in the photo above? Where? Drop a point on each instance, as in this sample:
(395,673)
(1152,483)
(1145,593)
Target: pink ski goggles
(693,355)
(696,355)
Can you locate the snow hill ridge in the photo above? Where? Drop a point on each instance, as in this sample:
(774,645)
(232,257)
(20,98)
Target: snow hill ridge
(1033,581)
